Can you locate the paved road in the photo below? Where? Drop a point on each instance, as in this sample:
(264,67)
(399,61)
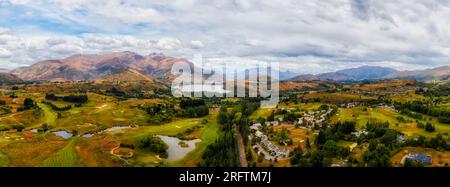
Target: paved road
(241,147)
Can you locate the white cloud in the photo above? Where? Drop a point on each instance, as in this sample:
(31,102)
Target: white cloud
(5,38)
(196,44)
(4,30)
(167,44)
(55,41)
(4,53)
(311,36)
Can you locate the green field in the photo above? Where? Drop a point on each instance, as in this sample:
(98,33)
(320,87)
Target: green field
(409,97)
(344,143)
(262,112)
(50,115)
(361,117)
(300,106)
(123,147)
(208,135)
(66,157)
(4,160)
(265,112)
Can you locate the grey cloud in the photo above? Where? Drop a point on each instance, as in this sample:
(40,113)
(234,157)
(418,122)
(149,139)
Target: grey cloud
(361,8)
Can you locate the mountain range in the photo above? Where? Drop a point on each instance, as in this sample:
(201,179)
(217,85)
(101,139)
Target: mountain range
(123,65)
(376,72)
(129,66)
(8,78)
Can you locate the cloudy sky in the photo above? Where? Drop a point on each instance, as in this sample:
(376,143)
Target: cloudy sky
(304,36)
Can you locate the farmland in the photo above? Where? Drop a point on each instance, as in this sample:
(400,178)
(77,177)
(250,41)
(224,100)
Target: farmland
(91,132)
(335,126)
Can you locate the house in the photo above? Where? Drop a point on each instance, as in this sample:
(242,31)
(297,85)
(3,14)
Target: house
(255,126)
(283,152)
(359,133)
(259,134)
(272,123)
(415,156)
(401,139)
(349,105)
(300,121)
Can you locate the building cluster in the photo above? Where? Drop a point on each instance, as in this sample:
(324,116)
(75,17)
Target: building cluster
(415,156)
(384,106)
(265,146)
(350,105)
(312,119)
(359,133)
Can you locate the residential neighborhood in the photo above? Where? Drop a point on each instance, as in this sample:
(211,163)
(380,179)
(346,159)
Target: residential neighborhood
(265,146)
(313,118)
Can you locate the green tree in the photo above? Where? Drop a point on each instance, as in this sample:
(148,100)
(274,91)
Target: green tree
(430,127)
(28,103)
(44,127)
(308,144)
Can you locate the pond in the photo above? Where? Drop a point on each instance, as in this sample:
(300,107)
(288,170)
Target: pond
(176,151)
(63,134)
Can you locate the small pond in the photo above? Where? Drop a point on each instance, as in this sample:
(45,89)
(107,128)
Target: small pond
(87,135)
(63,134)
(175,150)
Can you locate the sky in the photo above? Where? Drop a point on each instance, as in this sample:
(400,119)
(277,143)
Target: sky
(303,36)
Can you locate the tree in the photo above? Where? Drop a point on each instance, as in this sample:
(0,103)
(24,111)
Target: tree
(248,155)
(260,157)
(271,117)
(154,144)
(45,127)
(330,148)
(224,151)
(429,127)
(412,163)
(321,138)
(28,103)
(378,155)
(282,137)
(308,144)
(296,155)
(19,127)
(323,107)
(223,117)
(317,159)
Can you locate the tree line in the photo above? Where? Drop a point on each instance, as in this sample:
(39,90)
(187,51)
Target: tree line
(443,115)
(69,98)
(224,151)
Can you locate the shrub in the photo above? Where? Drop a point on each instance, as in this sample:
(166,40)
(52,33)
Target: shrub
(154,144)
(19,127)
(28,103)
